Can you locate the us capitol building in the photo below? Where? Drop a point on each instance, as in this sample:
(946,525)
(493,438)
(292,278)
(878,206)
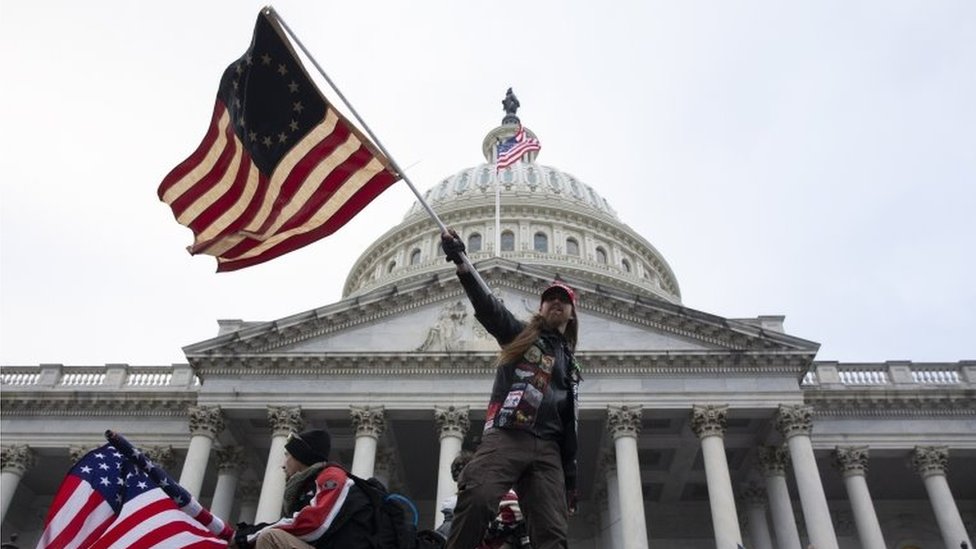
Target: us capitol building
(697,431)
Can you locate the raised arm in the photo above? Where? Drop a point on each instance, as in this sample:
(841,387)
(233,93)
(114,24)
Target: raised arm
(489,311)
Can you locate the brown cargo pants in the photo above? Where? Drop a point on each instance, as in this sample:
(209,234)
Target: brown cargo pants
(508,458)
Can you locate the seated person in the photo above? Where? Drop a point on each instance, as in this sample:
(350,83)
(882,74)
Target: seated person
(323,507)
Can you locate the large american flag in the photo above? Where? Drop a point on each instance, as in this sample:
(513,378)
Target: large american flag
(514,148)
(107,502)
(279,167)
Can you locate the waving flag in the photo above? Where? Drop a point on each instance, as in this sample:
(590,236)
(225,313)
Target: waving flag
(514,148)
(107,502)
(279,167)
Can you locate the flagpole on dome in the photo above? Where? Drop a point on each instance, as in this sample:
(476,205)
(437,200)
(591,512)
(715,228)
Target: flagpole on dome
(277,17)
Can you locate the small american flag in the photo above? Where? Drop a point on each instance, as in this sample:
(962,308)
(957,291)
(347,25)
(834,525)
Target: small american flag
(279,167)
(107,502)
(514,148)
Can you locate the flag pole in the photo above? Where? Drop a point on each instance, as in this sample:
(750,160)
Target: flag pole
(375,139)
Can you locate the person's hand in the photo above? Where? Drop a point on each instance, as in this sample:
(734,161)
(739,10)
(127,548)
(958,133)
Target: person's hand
(453,246)
(572,500)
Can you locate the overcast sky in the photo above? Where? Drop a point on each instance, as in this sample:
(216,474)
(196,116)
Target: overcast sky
(810,159)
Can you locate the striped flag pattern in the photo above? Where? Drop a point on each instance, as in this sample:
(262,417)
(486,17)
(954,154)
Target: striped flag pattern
(279,167)
(514,148)
(106,502)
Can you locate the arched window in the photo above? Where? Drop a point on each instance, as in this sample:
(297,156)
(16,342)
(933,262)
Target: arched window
(601,255)
(625,264)
(508,241)
(391,266)
(540,242)
(415,256)
(474,242)
(572,246)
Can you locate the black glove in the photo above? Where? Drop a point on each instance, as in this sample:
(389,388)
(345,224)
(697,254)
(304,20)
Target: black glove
(453,247)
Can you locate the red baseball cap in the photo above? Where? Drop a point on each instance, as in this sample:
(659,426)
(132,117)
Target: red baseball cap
(560,287)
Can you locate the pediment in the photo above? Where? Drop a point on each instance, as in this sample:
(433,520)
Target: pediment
(434,316)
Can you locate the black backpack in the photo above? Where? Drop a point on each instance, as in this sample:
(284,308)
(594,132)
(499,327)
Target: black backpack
(373,518)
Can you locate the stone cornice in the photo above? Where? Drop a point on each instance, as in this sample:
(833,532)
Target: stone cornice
(110,405)
(483,363)
(939,402)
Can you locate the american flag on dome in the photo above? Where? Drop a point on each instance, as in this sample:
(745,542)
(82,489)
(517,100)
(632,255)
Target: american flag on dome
(514,148)
(279,167)
(105,501)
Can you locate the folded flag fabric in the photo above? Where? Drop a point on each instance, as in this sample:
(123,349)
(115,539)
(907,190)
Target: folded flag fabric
(105,501)
(279,167)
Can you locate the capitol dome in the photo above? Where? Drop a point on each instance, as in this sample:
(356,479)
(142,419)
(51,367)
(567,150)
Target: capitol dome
(549,219)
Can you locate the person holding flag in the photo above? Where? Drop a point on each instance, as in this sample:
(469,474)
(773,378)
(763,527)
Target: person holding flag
(530,436)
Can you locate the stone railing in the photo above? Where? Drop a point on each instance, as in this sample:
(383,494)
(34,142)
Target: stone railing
(892,374)
(109,376)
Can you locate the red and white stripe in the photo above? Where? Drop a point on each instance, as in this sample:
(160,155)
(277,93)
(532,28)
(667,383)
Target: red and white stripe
(244,217)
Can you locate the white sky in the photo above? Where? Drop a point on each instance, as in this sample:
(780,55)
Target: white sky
(811,159)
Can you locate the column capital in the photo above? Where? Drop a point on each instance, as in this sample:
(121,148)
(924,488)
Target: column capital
(930,460)
(708,419)
(851,460)
(77,451)
(231,459)
(793,420)
(162,455)
(753,494)
(624,421)
(369,421)
(285,420)
(451,421)
(773,460)
(207,421)
(17,459)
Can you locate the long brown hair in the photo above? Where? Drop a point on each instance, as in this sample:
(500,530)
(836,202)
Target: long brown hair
(530,334)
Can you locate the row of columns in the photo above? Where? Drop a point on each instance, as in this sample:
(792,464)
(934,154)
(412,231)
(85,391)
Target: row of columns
(626,511)
(624,487)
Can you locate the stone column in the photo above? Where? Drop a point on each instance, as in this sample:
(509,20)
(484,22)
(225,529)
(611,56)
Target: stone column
(14,462)
(754,498)
(795,424)
(370,424)
(624,424)
(250,492)
(206,422)
(708,422)
(614,525)
(852,462)
(930,462)
(452,425)
(772,461)
(284,421)
(230,462)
